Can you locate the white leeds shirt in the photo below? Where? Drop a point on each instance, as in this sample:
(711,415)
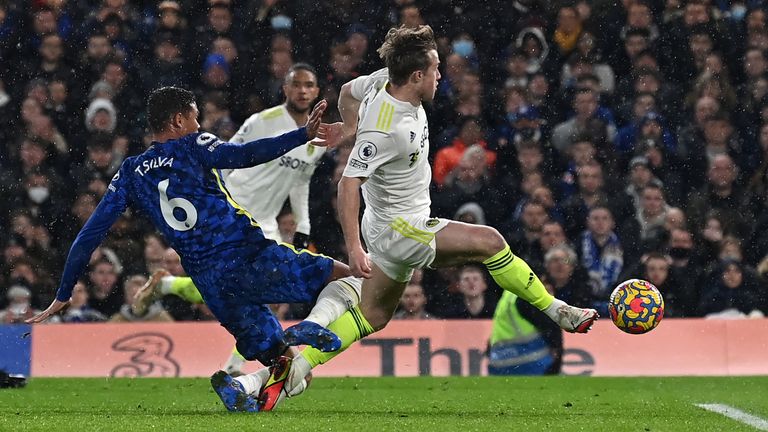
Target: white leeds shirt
(391,151)
(263,189)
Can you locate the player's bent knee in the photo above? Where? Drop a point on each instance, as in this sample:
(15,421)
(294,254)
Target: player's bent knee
(491,241)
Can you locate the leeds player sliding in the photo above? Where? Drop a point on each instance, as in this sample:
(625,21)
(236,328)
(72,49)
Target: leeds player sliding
(177,184)
(389,162)
(263,189)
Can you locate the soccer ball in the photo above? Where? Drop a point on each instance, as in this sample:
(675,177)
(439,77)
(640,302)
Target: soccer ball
(636,306)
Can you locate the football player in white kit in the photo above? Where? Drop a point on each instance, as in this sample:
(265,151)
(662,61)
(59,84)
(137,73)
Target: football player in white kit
(389,162)
(263,189)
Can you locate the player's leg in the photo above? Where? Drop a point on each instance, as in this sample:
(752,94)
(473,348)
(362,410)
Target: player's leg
(161,283)
(458,243)
(381,294)
(259,337)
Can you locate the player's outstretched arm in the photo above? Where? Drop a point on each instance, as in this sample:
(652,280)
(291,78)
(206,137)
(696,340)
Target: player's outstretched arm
(214,153)
(55,307)
(90,236)
(349,107)
(349,209)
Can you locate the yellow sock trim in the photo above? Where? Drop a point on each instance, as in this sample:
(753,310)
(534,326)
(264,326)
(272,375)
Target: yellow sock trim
(350,328)
(514,275)
(186,289)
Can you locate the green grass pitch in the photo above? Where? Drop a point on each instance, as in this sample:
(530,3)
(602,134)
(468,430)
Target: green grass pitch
(390,404)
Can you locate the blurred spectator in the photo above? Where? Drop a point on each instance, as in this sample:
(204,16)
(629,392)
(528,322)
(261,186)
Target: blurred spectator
(470,213)
(100,165)
(216,119)
(686,268)
(98,51)
(516,345)
(412,303)
(168,66)
(679,298)
(455,67)
(155,312)
(101,116)
(216,73)
(478,301)
(154,248)
(647,230)
(19,306)
(470,133)
(79,310)
(567,277)
(126,98)
(640,176)
(602,254)
(272,88)
(588,53)
(469,182)
(219,23)
(723,194)
(590,193)
(757,187)
(105,295)
(533,43)
(585,119)
(523,235)
(358,41)
(691,134)
(568,30)
(735,292)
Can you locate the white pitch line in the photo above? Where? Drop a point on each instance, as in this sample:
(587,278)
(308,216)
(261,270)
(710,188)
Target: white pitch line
(737,414)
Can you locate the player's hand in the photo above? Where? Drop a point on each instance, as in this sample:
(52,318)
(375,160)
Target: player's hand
(360,263)
(53,309)
(313,122)
(329,135)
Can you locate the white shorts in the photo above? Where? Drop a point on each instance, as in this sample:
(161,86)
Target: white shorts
(403,244)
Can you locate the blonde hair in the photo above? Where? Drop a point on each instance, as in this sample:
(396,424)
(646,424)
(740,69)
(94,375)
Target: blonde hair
(404,51)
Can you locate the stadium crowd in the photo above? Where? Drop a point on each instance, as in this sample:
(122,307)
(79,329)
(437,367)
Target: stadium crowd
(604,139)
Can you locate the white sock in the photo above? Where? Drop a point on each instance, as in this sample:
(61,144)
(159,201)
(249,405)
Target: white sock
(252,382)
(335,299)
(165,284)
(299,369)
(234,363)
(551,310)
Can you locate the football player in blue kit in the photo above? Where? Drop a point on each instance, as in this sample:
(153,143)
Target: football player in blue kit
(177,184)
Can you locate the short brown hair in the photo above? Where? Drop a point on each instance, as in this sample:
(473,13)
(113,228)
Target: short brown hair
(404,51)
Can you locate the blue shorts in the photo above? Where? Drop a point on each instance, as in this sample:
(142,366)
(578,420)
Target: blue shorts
(238,290)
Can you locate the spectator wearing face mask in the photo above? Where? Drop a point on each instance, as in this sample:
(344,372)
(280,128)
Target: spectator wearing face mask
(19,306)
(685,263)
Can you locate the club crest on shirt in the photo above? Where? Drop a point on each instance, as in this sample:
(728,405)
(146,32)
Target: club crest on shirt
(205,138)
(367,151)
(114,179)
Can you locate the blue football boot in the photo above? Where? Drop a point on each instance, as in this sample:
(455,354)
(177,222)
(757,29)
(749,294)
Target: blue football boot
(232,393)
(312,334)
